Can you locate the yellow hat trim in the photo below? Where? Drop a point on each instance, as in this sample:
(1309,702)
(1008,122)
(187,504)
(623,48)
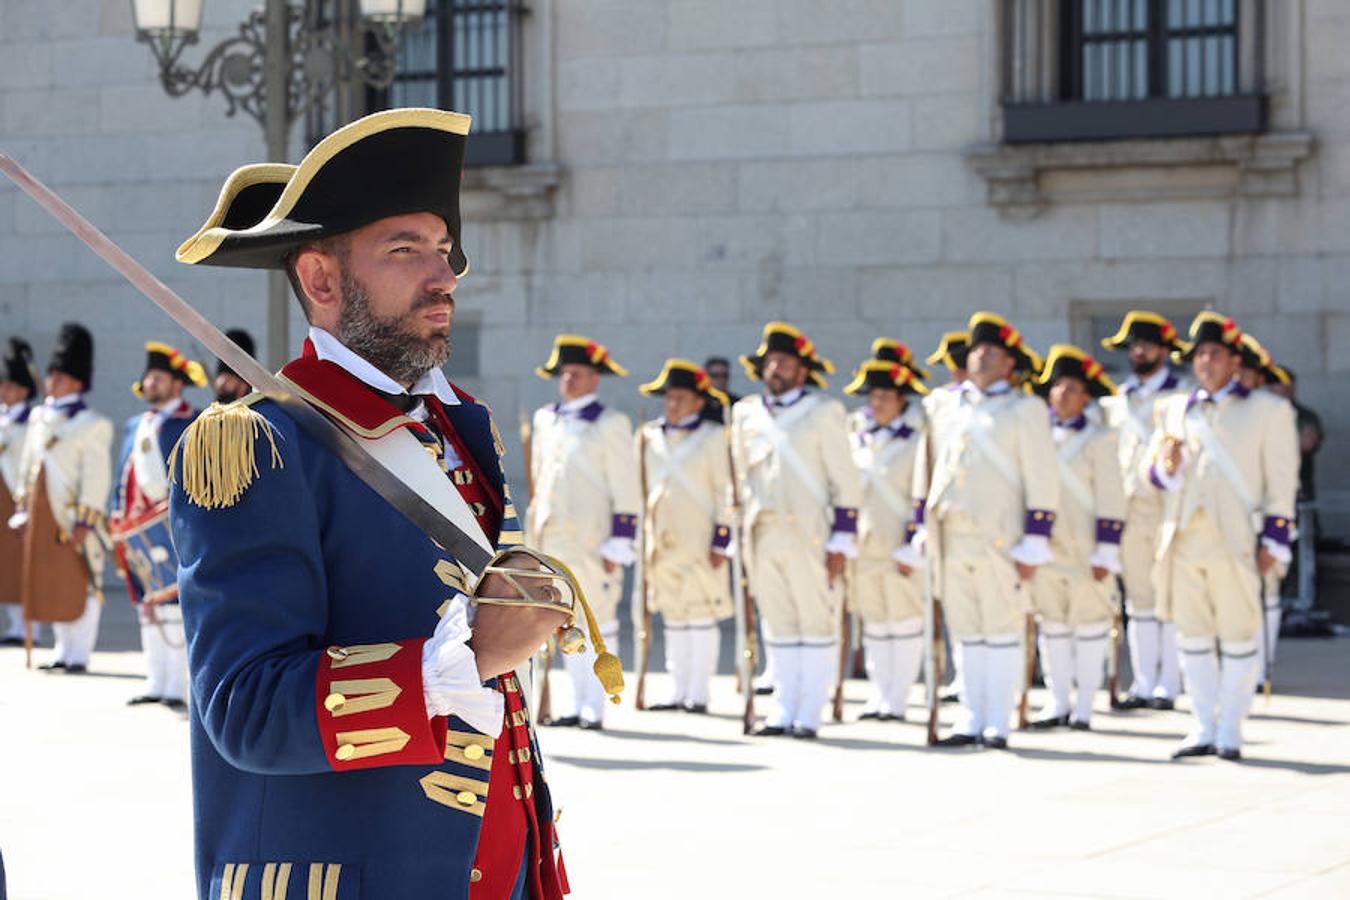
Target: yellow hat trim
(1092,369)
(209,238)
(241,178)
(700,378)
(903,376)
(943,354)
(577,340)
(1169,332)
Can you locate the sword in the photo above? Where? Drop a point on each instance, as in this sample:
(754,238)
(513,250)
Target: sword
(327,433)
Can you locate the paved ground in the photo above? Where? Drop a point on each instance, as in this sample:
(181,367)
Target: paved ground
(95,800)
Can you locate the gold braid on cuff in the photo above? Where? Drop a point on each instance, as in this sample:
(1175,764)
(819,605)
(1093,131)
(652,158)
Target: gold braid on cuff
(561,594)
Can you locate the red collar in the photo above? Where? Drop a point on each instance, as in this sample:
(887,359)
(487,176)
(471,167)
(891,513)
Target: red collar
(342,395)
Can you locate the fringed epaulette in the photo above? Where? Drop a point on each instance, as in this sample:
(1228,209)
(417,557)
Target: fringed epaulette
(218,461)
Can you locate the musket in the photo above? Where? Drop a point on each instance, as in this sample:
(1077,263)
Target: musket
(1117,646)
(837,706)
(642,614)
(1030,674)
(932,613)
(741,599)
(1266,661)
(544,706)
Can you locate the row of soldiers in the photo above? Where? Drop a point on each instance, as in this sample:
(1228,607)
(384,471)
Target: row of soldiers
(65,512)
(1030,496)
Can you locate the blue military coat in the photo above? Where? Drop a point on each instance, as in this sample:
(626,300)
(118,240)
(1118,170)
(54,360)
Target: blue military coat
(309,585)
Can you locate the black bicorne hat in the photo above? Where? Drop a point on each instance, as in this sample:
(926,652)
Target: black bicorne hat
(681,373)
(951,352)
(1067,361)
(881,373)
(160,356)
(245,342)
(19,366)
(1142,325)
(389,163)
(990,328)
(889,350)
(569,349)
(74,353)
(780,337)
(1210,327)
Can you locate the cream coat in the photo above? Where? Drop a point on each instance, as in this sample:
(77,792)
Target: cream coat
(11,447)
(688,498)
(1259,434)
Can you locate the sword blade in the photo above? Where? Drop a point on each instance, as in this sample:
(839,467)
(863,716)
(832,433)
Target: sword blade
(394,491)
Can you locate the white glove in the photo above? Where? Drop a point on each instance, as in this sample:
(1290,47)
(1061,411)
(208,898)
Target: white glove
(1106,556)
(728,551)
(450,681)
(618,550)
(1032,550)
(920,539)
(842,542)
(1171,482)
(1281,552)
(906,555)
(18,520)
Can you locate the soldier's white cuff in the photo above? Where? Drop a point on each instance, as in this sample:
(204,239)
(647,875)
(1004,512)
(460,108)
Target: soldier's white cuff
(1165,482)
(728,551)
(450,680)
(1281,552)
(919,540)
(842,542)
(1032,550)
(618,550)
(907,555)
(18,520)
(1106,556)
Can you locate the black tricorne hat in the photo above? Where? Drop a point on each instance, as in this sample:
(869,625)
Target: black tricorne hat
(245,342)
(1067,361)
(1142,325)
(780,337)
(681,373)
(991,328)
(951,351)
(881,373)
(890,350)
(19,366)
(1210,327)
(389,163)
(576,349)
(74,353)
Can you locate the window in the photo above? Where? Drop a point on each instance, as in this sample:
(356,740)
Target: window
(1103,69)
(466,56)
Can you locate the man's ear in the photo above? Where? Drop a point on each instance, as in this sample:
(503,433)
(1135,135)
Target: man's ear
(321,278)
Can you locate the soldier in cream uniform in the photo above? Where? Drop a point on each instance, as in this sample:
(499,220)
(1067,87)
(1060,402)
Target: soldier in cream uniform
(687,527)
(986,519)
(1073,594)
(800,493)
(18,391)
(887,592)
(1227,458)
(1148,338)
(70,445)
(586,499)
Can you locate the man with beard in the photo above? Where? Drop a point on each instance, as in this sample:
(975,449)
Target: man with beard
(686,521)
(65,474)
(986,508)
(1073,593)
(139,522)
(800,493)
(18,391)
(1227,458)
(1148,338)
(228,386)
(358,725)
(586,499)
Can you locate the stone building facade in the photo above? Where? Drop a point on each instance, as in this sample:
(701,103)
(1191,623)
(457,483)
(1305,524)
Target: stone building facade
(690,169)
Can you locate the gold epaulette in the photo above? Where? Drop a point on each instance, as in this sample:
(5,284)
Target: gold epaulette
(218,453)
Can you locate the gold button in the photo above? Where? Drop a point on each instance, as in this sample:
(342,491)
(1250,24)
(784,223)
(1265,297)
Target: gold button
(475,876)
(337,653)
(466,798)
(473,751)
(334,702)
(345,751)
(519,794)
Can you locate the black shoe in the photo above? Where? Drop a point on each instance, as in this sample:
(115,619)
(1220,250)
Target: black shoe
(1075,725)
(698,709)
(1232,754)
(76,668)
(663,707)
(174,704)
(958,740)
(1163,703)
(763,690)
(952,697)
(52,666)
(588,725)
(564,722)
(893,717)
(1132,702)
(1048,723)
(11,642)
(144,698)
(873,714)
(994,743)
(769,731)
(1186,750)
(805,734)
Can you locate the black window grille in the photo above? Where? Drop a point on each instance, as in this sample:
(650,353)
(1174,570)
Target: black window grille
(1093,69)
(466,56)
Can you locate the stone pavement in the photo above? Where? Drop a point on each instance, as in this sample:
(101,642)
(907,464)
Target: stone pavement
(95,800)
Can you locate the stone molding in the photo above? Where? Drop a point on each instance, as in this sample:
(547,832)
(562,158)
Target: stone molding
(1020,177)
(510,193)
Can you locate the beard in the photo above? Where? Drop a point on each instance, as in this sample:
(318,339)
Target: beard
(391,344)
(1145,367)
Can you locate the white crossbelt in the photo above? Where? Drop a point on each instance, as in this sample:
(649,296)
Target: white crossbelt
(979,426)
(674,471)
(872,479)
(1223,459)
(1068,451)
(776,432)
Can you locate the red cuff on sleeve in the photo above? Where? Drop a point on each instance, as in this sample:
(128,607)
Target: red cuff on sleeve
(370,707)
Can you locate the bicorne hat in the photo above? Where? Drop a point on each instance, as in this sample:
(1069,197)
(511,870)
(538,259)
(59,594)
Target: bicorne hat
(1210,327)
(780,337)
(1067,361)
(167,359)
(991,328)
(574,348)
(880,373)
(681,373)
(952,350)
(1141,325)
